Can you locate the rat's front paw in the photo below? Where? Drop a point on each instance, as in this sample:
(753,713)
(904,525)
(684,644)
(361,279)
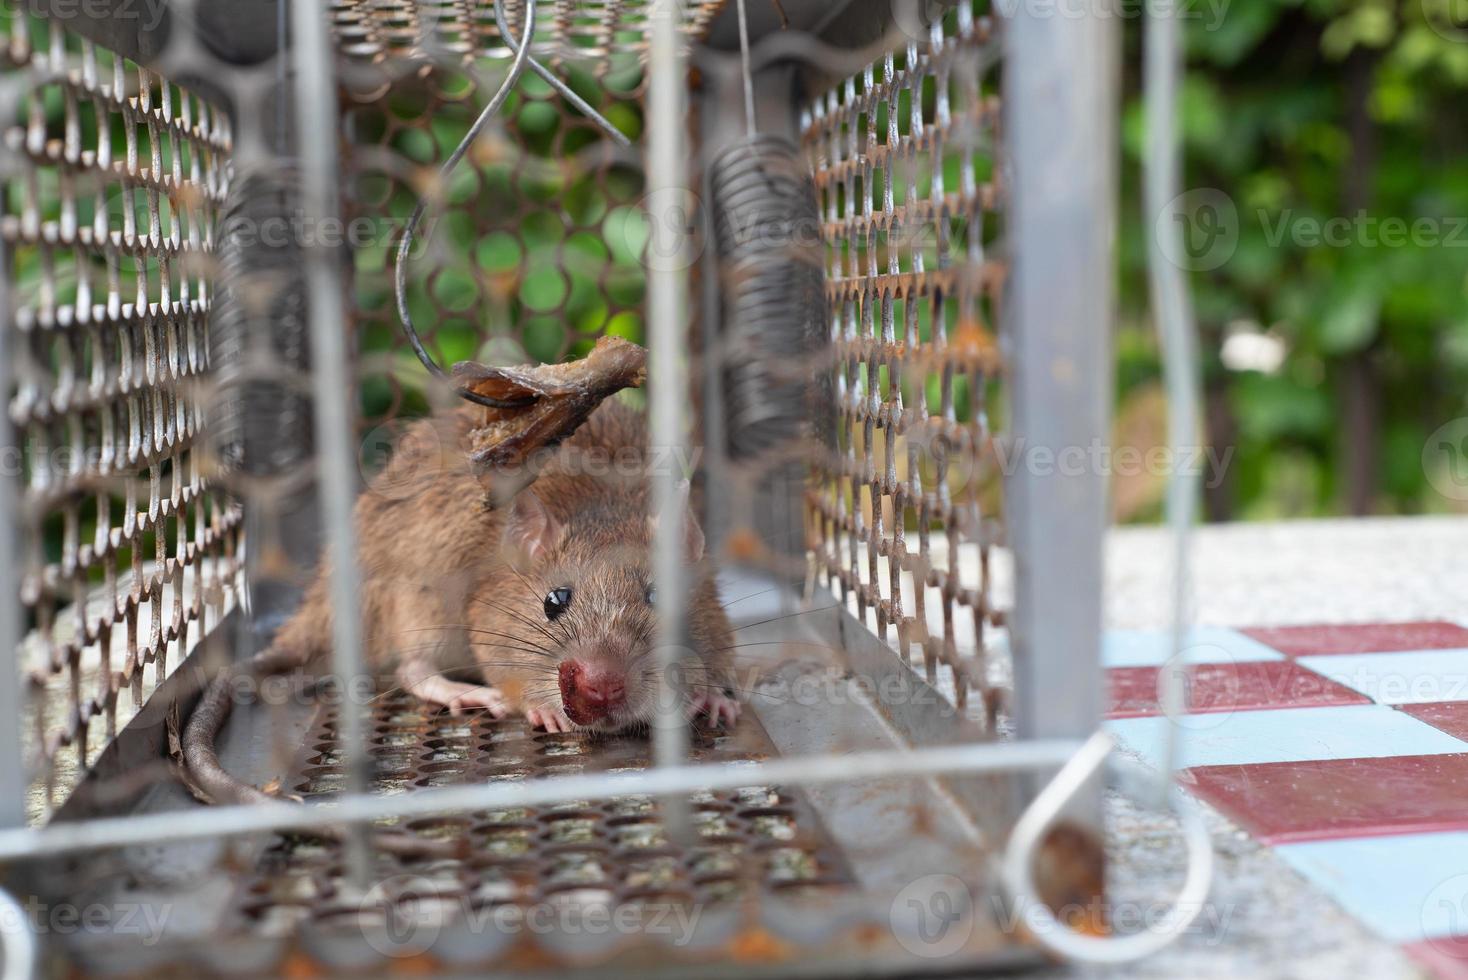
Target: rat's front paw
(721,709)
(551,719)
(460,698)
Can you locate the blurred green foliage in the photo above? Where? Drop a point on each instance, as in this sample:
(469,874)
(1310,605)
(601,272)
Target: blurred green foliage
(1303,111)
(536,247)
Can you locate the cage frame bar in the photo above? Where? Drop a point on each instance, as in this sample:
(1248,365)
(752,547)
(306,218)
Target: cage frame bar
(314,81)
(668,305)
(1062,229)
(12,708)
(333,403)
(1034,755)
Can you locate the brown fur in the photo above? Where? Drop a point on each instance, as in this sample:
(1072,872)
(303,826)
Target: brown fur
(442,591)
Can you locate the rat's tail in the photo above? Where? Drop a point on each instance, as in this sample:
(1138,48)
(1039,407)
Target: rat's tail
(303,637)
(209,776)
(201,759)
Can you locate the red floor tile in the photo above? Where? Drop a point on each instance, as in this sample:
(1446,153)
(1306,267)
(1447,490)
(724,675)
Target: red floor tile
(1445,716)
(1299,641)
(1446,959)
(1290,802)
(1228,687)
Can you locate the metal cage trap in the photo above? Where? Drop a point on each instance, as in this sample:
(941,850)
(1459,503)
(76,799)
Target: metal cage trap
(889,218)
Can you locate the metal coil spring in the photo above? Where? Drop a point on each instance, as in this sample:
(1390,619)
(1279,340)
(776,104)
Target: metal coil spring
(259,308)
(768,231)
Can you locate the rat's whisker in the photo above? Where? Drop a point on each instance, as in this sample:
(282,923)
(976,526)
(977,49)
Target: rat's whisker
(518,616)
(464,627)
(529,645)
(548,671)
(749,691)
(404,651)
(778,643)
(517,664)
(773,588)
(776,619)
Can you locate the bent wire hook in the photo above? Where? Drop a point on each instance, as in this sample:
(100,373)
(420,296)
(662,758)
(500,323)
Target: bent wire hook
(521,61)
(1173,308)
(1030,830)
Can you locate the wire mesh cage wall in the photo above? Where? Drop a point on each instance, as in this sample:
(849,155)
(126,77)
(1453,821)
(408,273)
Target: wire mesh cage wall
(533,249)
(904,158)
(176,473)
(131,549)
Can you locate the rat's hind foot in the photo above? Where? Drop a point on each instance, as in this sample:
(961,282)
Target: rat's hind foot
(718,706)
(551,719)
(457,696)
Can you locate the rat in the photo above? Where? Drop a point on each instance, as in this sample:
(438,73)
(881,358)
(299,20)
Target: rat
(505,556)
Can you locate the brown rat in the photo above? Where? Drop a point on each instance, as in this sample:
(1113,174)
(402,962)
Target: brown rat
(544,602)
(500,580)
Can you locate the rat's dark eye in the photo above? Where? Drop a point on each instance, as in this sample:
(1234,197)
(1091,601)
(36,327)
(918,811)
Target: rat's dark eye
(652,595)
(556,602)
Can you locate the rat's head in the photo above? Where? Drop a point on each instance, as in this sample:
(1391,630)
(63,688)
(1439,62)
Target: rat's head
(585,596)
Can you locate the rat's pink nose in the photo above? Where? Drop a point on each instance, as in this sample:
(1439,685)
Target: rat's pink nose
(589,691)
(605,689)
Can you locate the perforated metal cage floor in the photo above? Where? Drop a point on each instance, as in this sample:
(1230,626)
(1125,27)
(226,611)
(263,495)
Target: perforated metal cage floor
(603,853)
(767,879)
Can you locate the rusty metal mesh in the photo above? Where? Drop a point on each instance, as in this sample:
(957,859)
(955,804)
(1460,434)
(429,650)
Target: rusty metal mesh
(114,181)
(608,852)
(533,249)
(532,252)
(591,33)
(901,508)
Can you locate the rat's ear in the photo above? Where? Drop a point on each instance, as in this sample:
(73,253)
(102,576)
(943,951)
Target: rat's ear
(531,530)
(692,533)
(513,386)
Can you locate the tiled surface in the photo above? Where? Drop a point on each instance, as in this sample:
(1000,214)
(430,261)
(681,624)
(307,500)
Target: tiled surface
(1408,677)
(1203,645)
(1408,888)
(1296,641)
(1213,688)
(1447,716)
(1344,747)
(1332,798)
(1444,957)
(1353,731)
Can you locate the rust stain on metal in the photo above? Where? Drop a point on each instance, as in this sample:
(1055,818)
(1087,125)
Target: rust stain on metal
(298,966)
(759,946)
(1070,873)
(751,841)
(914,291)
(131,544)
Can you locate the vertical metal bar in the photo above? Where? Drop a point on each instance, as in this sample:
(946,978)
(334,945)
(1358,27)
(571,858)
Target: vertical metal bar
(1060,89)
(12,707)
(332,402)
(282,35)
(19,942)
(751,126)
(667,327)
(717,468)
(1173,309)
